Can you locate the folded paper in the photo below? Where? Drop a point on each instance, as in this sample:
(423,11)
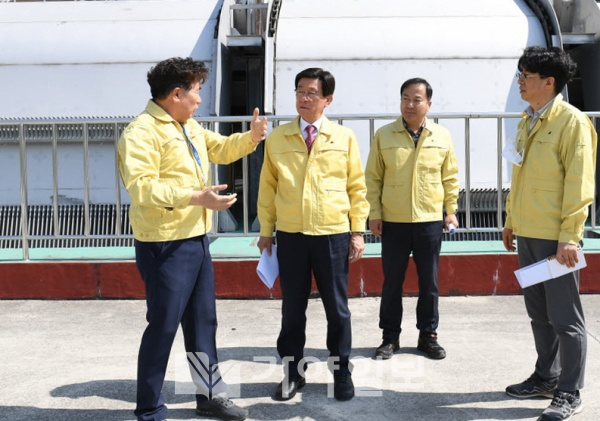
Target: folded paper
(268,267)
(547,269)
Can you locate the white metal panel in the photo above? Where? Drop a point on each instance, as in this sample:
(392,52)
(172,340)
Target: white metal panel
(380,29)
(106,32)
(394,37)
(77,59)
(386,8)
(80,90)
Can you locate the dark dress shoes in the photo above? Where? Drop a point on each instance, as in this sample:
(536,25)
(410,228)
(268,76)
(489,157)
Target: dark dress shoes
(429,345)
(387,349)
(343,387)
(222,408)
(288,387)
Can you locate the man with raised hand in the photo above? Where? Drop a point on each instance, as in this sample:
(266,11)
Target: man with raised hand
(164,160)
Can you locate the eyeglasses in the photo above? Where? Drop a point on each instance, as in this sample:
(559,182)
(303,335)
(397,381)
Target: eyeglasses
(309,95)
(522,76)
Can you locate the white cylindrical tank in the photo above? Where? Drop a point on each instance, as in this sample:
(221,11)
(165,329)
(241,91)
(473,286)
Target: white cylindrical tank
(90,59)
(467,52)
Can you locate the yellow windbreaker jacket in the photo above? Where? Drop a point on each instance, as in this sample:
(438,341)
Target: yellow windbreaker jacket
(318,194)
(160,173)
(551,191)
(408,183)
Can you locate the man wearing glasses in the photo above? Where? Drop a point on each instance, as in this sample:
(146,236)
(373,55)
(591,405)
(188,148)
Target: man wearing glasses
(551,189)
(312,191)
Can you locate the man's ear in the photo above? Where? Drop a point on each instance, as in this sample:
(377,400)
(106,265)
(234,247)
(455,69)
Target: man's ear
(175,93)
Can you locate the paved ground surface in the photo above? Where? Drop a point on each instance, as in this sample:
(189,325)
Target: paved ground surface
(76,360)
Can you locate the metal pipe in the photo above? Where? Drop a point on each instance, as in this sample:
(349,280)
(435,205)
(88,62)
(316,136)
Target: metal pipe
(24,220)
(86,178)
(118,203)
(468,173)
(499,175)
(56,227)
(245,186)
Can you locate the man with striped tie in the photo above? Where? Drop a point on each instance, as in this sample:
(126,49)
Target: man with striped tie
(313,193)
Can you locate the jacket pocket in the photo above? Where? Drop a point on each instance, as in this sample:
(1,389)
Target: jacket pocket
(395,159)
(334,204)
(332,160)
(395,201)
(544,208)
(431,161)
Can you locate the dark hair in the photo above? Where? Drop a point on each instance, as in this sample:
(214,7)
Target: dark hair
(326,78)
(549,62)
(174,73)
(416,81)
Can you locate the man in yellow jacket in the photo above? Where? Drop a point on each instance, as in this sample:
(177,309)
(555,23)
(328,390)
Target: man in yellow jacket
(552,187)
(164,160)
(312,191)
(412,176)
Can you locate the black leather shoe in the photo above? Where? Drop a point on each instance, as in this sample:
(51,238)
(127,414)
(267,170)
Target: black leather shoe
(222,408)
(387,349)
(343,387)
(287,389)
(429,345)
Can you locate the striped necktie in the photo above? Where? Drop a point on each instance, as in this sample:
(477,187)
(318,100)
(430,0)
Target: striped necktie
(310,138)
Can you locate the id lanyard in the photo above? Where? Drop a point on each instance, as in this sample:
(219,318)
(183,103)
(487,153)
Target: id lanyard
(195,152)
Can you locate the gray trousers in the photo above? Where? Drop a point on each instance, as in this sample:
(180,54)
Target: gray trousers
(557,320)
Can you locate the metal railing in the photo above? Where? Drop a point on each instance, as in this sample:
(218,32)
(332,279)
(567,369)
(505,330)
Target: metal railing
(77,223)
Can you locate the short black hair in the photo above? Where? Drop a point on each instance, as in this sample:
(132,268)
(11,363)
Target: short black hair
(326,78)
(174,73)
(549,62)
(417,81)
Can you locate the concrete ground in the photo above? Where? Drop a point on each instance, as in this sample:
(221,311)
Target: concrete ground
(76,360)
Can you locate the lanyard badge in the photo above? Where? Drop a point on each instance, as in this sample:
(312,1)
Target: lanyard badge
(195,153)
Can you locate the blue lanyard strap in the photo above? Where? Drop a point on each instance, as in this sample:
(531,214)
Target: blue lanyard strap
(195,152)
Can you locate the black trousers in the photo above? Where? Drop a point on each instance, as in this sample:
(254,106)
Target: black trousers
(398,240)
(180,289)
(325,256)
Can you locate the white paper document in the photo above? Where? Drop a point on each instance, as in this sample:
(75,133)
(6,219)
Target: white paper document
(546,269)
(268,268)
